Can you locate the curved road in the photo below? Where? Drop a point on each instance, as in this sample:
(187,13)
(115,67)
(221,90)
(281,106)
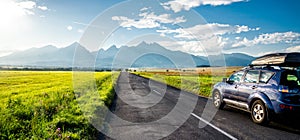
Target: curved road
(142,117)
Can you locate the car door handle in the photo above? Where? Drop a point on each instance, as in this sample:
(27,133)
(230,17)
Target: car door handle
(254,87)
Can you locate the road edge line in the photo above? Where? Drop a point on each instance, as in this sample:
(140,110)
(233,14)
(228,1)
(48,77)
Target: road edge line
(216,128)
(156,92)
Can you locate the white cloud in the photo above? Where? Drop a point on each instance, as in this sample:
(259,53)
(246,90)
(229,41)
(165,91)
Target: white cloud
(140,24)
(27,4)
(242,42)
(243,28)
(144,9)
(204,31)
(293,49)
(211,45)
(205,38)
(27,7)
(11,13)
(10,9)
(147,20)
(44,8)
(179,5)
(163,18)
(220,2)
(69,28)
(270,38)
(287,37)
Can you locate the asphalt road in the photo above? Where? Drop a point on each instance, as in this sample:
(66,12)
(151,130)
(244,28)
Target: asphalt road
(145,109)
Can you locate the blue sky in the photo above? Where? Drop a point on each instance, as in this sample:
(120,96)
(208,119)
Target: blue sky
(200,27)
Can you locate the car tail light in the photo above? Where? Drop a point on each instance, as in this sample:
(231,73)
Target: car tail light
(283,89)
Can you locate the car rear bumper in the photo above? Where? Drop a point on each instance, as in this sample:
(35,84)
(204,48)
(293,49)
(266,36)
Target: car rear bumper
(282,108)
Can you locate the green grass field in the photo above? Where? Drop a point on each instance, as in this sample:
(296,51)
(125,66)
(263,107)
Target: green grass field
(199,82)
(43,105)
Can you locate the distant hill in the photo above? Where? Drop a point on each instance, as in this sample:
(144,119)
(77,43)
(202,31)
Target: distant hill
(234,59)
(238,59)
(48,56)
(146,55)
(143,55)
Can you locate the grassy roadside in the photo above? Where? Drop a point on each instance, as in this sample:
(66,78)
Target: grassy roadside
(199,82)
(43,105)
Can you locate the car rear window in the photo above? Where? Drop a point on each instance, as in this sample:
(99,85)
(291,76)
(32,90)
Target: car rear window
(290,78)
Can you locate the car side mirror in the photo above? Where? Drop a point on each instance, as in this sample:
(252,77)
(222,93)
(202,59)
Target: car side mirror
(224,80)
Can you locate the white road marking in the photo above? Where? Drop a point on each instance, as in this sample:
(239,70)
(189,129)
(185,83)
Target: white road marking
(216,128)
(143,83)
(156,92)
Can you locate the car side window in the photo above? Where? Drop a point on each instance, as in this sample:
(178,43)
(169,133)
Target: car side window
(236,77)
(265,76)
(251,76)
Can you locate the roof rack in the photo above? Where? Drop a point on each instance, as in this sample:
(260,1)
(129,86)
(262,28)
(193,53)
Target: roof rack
(278,59)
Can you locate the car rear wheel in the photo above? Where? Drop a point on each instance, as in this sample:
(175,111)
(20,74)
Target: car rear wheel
(259,113)
(217,100)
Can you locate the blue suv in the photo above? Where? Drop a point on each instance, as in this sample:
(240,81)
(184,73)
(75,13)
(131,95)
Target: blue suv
(265,88)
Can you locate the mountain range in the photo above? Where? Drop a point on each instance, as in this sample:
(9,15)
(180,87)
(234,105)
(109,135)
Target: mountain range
(143,55)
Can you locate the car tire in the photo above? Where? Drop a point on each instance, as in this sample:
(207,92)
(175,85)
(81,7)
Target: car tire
(259,113)
(217,100)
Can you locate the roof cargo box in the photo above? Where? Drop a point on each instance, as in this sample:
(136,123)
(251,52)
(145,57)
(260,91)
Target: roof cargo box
(278,59)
